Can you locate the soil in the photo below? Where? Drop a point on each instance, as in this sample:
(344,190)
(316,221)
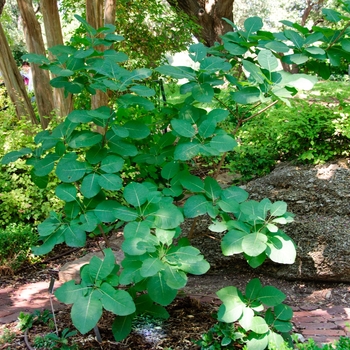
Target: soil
(190,315)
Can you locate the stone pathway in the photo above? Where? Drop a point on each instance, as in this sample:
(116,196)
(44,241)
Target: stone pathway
(323,325)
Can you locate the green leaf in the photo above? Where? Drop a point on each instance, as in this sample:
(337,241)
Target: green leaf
(234,48)
(110,182)
(112,164)
(151,266)
(223,143)
(119,302)
(125,214)
(170,169)
(281,248)
(105,210)
(299,58)
(136,194)
(137,130)
(44,166)
(183,127)
(232,242)
(89,221)
(90,186)
(69,292)
(128,100)
(345,44)
(271,296)
(255,261)
(96,154)
(14,155)
(198,268)
(254,244)
(283,312)
(277,46)
(214,64)
(203,93)
(252,25)
(232,308)
(66,192)
(295,37)
(142,90)
(195,206)
(79,116)
(70,170)
(276,340)
(186,151)
(197,52)
(100,269)
(74,236)
(235,193)
(207,128)
(121,327)
(267,60)
(177,72)
(278,208)
(259,325)
(192,183)
(212,188)
(331,15)
(85,313)
(174,277)
(168,217)
(159,291)
(253,288)
(247,95)
(255,72)
(123,148)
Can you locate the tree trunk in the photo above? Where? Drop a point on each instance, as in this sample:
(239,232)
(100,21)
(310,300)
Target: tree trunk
(53,31)
(14,81)
(35,44)
(208,14)
(95,16)
(109,14)
(2,4)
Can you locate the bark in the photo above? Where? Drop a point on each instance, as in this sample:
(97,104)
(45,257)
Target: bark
(110,9)
(35,44)
(2,4)
(53,31)
(208,14)
(95,17)
(14,81)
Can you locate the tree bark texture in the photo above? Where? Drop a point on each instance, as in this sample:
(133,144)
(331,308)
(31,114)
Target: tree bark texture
(14,81)
(95,17)
(2,4)
(35,44)
(208,14)
(53,31)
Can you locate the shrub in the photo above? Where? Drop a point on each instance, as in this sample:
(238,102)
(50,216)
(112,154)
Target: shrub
(309,132)
(15,246)
(21,201)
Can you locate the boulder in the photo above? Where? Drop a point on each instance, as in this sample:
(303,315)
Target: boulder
(319,196)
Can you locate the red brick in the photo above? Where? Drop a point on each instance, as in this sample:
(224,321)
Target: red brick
(326,332)
(323,325)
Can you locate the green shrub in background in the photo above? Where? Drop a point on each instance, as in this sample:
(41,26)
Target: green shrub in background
(20,200)
(309,132)
(15,243)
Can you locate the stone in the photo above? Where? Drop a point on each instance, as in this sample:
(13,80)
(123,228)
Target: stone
(319,196)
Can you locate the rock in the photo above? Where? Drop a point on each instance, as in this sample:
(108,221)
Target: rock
(320,198)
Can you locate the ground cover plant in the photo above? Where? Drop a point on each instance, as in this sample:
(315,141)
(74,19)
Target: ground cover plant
(159,145)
